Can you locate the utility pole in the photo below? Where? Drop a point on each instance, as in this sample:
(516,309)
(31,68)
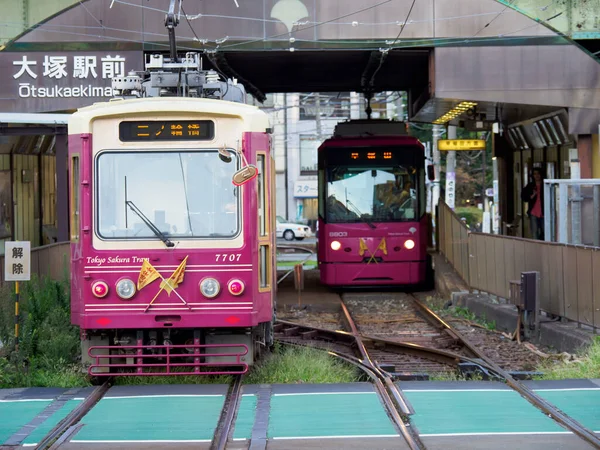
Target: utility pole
(484,168)
(428,182)
(451,171)
(496,212)
(435,194)
(318,114)
(285,153)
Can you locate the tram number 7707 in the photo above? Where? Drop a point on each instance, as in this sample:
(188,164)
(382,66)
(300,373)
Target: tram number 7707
(228,257)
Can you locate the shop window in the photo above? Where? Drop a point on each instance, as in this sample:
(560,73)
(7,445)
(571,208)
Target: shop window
(309,146)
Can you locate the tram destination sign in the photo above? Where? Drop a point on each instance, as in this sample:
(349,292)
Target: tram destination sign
(59,81)
(378,156)
(461,144)
(167,130)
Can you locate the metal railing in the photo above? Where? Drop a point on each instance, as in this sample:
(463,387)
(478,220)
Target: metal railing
(572,211)
(488,263)
(51,260)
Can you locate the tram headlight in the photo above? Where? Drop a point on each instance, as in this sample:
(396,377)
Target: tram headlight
(125,288)
(409,244)
(335,245)
(209,287)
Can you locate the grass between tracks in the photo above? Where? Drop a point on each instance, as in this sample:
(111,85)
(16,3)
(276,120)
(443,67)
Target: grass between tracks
(437,304)
(295,365)
(454,376)
(585,365)
(307,264)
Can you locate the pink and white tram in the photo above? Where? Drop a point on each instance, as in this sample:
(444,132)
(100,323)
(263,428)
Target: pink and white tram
(172,235)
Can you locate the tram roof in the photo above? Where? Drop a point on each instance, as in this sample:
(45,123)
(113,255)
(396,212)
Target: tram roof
(253,118)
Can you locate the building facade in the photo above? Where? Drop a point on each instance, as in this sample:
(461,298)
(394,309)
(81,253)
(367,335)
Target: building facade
(301,122)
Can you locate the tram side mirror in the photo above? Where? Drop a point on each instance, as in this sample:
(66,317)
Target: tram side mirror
(244,175)
(430,173)
(224,155)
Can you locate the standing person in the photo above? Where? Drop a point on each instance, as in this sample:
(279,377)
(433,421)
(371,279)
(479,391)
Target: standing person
(533,194)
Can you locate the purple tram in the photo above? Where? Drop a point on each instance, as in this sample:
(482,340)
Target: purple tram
(172,235)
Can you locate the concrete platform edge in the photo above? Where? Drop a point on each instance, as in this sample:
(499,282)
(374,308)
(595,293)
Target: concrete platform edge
(564,337)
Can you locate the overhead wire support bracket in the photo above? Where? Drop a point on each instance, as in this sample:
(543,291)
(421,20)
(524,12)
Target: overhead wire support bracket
(171,21)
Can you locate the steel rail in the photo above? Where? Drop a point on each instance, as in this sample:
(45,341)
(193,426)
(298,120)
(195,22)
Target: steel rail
(230,406)
(547,408)
(411,439)
(343,337)
(372,372)
(74,416)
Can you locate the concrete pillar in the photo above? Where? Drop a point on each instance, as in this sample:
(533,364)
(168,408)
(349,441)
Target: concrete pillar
(584,150)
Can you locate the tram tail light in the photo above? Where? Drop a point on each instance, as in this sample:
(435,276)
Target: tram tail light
(100,289)
(409,244)
(235,287)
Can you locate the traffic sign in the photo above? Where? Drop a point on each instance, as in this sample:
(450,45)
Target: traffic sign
(17,261)
(461,144)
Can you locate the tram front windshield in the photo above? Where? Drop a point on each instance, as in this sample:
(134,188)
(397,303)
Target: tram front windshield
(183,194)
(379,194)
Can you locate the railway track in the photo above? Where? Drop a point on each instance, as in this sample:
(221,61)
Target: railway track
(224,427)
(68,426)
(379,354)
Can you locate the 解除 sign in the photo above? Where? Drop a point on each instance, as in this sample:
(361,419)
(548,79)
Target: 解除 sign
(52,81)
(17,261)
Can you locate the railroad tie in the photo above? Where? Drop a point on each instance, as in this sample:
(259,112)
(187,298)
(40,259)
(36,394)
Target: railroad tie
(258,440)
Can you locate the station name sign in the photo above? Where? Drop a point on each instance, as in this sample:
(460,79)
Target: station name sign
(40,81)
(461,144)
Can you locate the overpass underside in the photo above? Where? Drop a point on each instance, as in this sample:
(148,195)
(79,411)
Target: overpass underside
(541,88)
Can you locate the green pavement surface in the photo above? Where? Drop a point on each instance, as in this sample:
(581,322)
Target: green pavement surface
(583,405)
(472,411)
(16,414)
(153,418)
(42,430)
(332,414)
(245,417)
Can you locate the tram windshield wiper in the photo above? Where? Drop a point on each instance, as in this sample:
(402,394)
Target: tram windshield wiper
(150,225)
(360,214)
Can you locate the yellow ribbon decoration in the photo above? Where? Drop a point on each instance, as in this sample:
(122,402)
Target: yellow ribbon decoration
(363,246)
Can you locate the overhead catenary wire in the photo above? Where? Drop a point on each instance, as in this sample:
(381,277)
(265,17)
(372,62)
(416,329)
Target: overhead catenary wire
(416,43)
(451,41)
(318,24)
(491,21)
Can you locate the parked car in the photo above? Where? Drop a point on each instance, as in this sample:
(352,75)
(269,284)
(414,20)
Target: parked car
(290,231)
